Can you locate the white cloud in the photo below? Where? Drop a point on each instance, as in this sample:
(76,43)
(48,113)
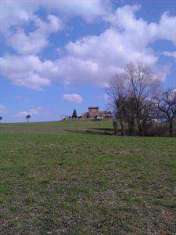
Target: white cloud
(170,54)
(3,109)
(33,111)
(28,71)
(74,98)
(87,9)
(77,70)
(140,31)
(18,12)
(166,28)
(92,59)
(128,39)
(16,15)
(96,59)
(33,42)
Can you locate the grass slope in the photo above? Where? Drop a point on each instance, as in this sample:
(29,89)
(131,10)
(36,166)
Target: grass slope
(57,182)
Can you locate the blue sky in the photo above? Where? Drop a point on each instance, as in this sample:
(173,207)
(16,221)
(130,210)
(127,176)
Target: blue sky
(57,55)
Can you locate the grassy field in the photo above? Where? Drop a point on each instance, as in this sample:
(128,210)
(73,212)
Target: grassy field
(73,178)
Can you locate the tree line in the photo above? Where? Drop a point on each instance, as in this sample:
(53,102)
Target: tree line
(140,104)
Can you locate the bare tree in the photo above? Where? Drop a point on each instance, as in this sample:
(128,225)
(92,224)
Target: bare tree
(129,114)
(143,87)
(167,106)
(117,95)
(131,94)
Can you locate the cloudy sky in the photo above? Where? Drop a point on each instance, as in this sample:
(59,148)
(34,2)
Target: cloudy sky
(57,55)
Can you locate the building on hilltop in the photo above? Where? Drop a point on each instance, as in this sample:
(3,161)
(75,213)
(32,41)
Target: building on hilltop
(93,112)
(96,114)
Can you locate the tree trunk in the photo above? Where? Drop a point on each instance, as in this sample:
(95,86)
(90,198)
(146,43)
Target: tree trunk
(171,128)
(140,129)
(122,127)
(115,127)
(131,125)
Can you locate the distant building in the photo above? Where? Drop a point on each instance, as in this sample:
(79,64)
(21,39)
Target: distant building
(95,113)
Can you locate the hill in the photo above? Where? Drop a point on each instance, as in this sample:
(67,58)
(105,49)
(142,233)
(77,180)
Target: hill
(57,178)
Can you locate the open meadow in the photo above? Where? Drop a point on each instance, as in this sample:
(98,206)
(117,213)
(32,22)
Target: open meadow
(74,177)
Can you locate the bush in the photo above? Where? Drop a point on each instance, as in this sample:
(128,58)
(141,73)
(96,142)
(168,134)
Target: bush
(157,130)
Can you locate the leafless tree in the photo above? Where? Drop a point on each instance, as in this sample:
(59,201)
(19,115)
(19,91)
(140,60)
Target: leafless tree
(117,94)
(167,106)
(131,95)
(143,87)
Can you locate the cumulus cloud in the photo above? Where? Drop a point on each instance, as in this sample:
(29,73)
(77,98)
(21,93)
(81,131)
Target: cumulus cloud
(74,98)
(88,9)
(19,12)
(140,31)
(16,15)
(33,42)
(128,39)
(166,28)
(28,71)
(91,59)
(98,58)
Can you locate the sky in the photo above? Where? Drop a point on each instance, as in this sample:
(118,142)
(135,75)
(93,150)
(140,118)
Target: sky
(59,55)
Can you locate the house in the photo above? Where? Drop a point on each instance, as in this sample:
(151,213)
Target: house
(95,113)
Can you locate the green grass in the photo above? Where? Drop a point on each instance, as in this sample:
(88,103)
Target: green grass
(53,181)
